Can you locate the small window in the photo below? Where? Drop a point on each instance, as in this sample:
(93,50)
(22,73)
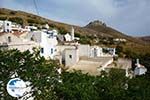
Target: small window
(42,50)
(51,50)
(32,38)
(9,39)
(7,24)
(70,56)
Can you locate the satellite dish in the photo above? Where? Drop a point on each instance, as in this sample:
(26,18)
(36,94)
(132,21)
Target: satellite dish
(16,87)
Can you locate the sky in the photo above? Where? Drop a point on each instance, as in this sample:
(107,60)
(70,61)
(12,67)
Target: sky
(131,17)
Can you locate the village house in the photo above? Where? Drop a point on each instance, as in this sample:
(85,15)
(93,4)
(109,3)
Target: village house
(140,69)
(120,40)
(70,37)
(70,53)
(47,42)
(70,57)
(1,26)
(12,41)
(7,26)
(96,51)
(67,37)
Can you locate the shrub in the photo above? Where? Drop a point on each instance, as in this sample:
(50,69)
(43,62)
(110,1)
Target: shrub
(17,20)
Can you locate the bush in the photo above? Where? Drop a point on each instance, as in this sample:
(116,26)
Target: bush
(13,12)
(62,30)
(17,20)
(3,18)
(35,21)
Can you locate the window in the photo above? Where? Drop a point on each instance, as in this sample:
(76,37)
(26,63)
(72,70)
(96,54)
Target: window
(51,50)
(70,56)
(9,39)
(7,24)
(32,38)
(42,50)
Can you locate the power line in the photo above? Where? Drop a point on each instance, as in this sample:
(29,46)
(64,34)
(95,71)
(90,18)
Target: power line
(36,7)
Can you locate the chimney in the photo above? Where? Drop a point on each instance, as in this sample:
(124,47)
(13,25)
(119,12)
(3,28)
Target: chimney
(137,61)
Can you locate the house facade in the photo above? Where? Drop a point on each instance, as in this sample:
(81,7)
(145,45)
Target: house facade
(140,69)
(11,41)
(47,42)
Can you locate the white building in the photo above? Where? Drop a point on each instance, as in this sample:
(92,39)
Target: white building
(11,41)
(68,37)
(52,33)
(140,69)
(96,51)
(120,40)
(84,50)
(30,28)
(47,42)
(7,26)
(1,26)
(46,26)
(70,57)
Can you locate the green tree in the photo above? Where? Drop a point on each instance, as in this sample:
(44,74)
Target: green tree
(30,67)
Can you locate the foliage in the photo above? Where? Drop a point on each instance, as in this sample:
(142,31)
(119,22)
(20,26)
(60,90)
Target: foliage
(77,86)
(62,30)
(3,18)
(85,40)
(29,67)
(35,21)
(46,85)
(77,35)
(13,12)
(17,20)
(119,50)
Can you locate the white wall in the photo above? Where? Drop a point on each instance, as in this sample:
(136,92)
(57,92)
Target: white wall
(17,43)
(84,50)
(140,71)
(7,26)
(96,51)
(71,57)
(49,45)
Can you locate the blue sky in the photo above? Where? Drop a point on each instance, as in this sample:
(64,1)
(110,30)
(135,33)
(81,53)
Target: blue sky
(129,16)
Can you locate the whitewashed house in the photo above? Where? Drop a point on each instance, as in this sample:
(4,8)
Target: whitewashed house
(67,37)
(96,51)
(46,26)
(47,42)
(84,50)
(12,41)
(30,28)
(1,26)
(70,37)
(7,26)
(140,69)
(70,57)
